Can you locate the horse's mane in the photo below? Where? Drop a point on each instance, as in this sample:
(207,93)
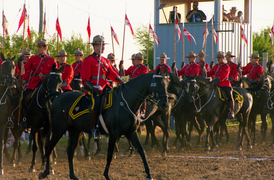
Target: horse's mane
(174,85)
(259,85)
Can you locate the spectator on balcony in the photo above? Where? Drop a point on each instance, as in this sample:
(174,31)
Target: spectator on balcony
(224,14)
(232,14)
(171,15)
(239,16)
(195,15)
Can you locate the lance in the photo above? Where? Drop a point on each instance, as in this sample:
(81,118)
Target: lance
(57,31)
(240,51)
(3,50)
(21,64)
(111,35)
(205,40)
(148,40)
(212,47)
(124,35)
(174,42)
(183,38)
(89,29)
(28,21)
(97,85)
(44,28)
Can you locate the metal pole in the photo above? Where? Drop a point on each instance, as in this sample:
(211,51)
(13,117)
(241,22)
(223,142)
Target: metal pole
(123,40)
(174,44)
(3,50)
(212,45)
(148,47)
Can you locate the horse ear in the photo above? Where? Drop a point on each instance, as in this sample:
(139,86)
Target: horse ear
(53,66)
(13,58)
(2,56)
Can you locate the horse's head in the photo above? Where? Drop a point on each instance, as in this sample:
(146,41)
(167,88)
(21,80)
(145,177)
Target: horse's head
(266,90)
(191,86)
(76,82)
(54,79)
(7,72)
(159,85)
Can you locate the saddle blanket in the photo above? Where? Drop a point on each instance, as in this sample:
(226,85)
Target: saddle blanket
(236,96)
(83,104)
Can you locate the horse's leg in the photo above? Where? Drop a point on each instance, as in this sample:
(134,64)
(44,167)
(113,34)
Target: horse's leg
(148,124)
(2,132)
(209,131)
(264,126)
(200,126)
(34,149)
(5,147)
(41,143)
(253,128)
(272,130)
(50,146)
(133,137)
(73,138)
(87,153)
(111,145)
(30,142)
(15,146)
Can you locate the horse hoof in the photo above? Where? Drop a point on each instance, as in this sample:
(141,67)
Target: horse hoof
(207,148)
(88,158)
(163,154)
(42,176)
(130,155)
(216,146)
(1,171)
(13,165)
(239,148)
(114,156)
(51,172)
(272,145)
(249,146)
(149,178)
(32,170)
(54,162)
(212,149)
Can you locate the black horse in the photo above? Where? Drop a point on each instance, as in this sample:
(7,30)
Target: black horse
(7,83)
(120,119)
(76,83)
(213,109)
(50,84)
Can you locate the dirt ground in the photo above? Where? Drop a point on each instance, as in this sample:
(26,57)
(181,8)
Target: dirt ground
(191,163)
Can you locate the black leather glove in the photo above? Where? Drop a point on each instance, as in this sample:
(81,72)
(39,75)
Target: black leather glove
(121,67)
(173,67)
(214,81)
(182,65)
(211,64)
(120,80)
(239,66)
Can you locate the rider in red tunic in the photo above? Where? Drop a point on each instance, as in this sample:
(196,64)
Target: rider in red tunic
(202,64)
(25,57)
(136,70)
(221,74)
(189,70)
(253,68)
(89,74)
(36,69)
(111,58)
(67,74)
(233,74)
(78,61)
(163,66)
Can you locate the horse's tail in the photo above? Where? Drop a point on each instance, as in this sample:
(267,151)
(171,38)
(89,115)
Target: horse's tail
(46,116)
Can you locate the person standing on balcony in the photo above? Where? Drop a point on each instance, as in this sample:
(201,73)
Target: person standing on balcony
(195,15)
(232,14)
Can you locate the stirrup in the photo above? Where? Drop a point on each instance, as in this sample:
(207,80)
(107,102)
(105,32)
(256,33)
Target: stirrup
(230,115)
(95,133)
(10,123)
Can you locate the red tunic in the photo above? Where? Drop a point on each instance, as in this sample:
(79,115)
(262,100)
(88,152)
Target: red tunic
(89,71)
(67,75)
(1,62)
(190,70)
(220,71)
(162,67)
(77,67)
(205,65)
(233,74)
(37,73)
(134,71)
(252,71)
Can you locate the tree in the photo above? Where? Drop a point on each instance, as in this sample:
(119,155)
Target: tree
(262,43)
(141,37)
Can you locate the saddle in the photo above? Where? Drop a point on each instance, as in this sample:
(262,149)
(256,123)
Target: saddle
(236,96)
(28,98)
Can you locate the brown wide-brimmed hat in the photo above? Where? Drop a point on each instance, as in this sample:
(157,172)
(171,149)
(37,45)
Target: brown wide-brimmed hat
(62,53)
(78,51)
(97,40)
(233,8)
(201,53)
(220,54)
(163,56)
(229,54)
(191,54)
(255,55)
(42,42)
(27,52)
(111,57)
(133,57)
(139,56)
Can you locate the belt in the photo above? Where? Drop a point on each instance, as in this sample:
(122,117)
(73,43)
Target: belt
(100,77)
(40,75)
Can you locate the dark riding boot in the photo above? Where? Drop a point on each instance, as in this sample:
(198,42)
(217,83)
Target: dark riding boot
(94,131)
(10,123)
(231,110)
